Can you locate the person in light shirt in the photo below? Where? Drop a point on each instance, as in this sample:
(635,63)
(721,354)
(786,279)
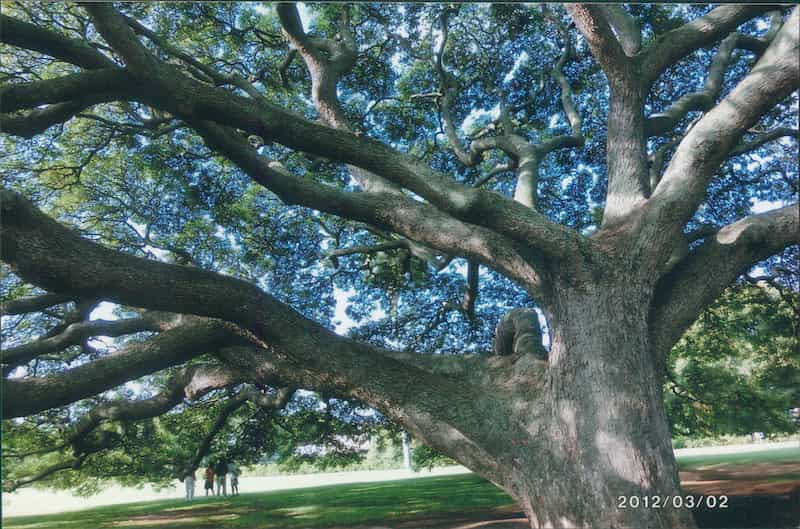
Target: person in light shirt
(188,481)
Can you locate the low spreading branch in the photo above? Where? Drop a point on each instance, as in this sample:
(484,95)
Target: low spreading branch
(75,334)
(67,464)
(26,396)
(288,345)
(188,383)
(32,304)
(75,462)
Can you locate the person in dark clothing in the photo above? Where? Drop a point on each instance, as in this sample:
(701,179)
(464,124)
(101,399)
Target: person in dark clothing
(220,470)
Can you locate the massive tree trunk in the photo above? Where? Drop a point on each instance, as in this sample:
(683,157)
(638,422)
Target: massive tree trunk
(596,432)
(608,428)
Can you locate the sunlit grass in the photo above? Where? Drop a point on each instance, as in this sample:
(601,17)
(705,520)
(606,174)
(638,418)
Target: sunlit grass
(775,455)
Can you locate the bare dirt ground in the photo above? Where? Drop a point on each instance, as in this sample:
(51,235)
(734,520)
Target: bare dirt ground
(759,495)
(494,519)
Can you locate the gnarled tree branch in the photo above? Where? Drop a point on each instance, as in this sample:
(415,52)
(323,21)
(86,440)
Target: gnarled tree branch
(290,347)
(196,336)
(764,138)
(375,248)
(672,46)
(210,73)
(69,463)
(198,100)
(246,394)
(32,304)
(711,140)
(29,36)
(704,99)
(75,334)
(702,276)
(188,383)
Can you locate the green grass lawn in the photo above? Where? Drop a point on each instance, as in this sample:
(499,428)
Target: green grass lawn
(774,455)
(341,505)
(313,507)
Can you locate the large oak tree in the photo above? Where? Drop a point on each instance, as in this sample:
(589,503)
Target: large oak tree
(601,158)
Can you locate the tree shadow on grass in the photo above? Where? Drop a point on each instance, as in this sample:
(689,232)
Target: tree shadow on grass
(764,511)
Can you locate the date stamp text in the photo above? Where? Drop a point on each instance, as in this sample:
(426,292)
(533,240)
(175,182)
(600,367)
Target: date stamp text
(676,502)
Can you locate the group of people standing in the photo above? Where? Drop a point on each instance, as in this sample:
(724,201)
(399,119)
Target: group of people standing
(219,473)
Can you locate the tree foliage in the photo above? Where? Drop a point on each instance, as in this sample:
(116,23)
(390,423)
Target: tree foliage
(735,371)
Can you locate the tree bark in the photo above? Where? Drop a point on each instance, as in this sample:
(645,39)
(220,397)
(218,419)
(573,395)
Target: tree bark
(592,431)
(596,426)
(610,431)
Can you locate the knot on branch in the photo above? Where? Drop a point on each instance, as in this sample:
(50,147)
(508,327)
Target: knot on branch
(518,333)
